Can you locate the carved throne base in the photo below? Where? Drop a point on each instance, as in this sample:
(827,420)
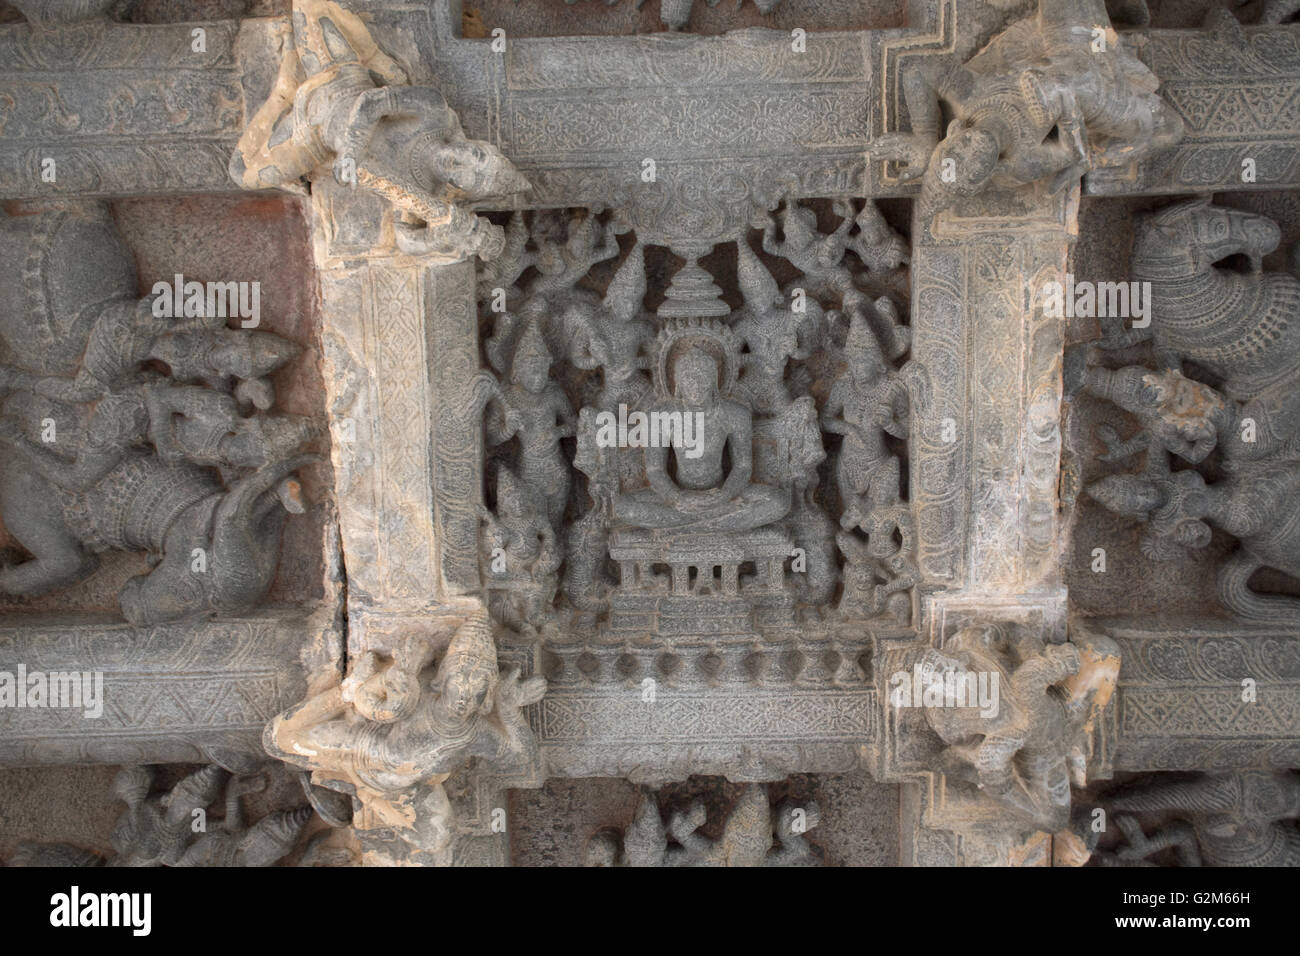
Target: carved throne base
(681,583)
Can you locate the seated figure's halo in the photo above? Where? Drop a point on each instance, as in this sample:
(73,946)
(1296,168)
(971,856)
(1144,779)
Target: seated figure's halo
(709,336)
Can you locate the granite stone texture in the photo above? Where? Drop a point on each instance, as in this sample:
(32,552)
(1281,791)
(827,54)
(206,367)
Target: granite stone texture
(680,433)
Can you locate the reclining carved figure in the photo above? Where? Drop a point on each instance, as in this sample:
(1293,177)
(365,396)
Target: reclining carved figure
(391,740)
(403,142)
(1044,101)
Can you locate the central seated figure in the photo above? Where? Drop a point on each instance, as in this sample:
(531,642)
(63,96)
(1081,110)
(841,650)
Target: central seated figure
(704,500)
(700,499)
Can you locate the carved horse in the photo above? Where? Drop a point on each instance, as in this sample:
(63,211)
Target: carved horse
(1242,326)
(171,511)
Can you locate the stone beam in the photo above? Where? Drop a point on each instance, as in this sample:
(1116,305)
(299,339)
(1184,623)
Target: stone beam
(745,735)
(730,123)
(136,109)
(1203,695)
(101,109)
(197,692)
(579,115)
(987,452)
(1237,90)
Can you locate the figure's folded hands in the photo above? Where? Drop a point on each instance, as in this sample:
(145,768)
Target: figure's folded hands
(366,667)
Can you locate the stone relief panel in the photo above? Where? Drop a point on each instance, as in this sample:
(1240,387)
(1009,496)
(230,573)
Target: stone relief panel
(159,828)
(148,425)
(143,424)
(802,820)
(660,509)
(1208,399)
(755,834)
(132,110)
(687,446)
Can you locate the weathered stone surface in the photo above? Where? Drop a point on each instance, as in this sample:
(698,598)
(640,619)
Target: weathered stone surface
(98,109)
(714,477)
(170,694)
(1234,90)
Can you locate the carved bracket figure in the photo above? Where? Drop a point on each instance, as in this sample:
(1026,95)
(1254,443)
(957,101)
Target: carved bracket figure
(1051,97)
(402,142)
(1029,741)
(390,735)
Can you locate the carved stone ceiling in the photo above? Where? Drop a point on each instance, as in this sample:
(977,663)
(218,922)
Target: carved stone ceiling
(788,432)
